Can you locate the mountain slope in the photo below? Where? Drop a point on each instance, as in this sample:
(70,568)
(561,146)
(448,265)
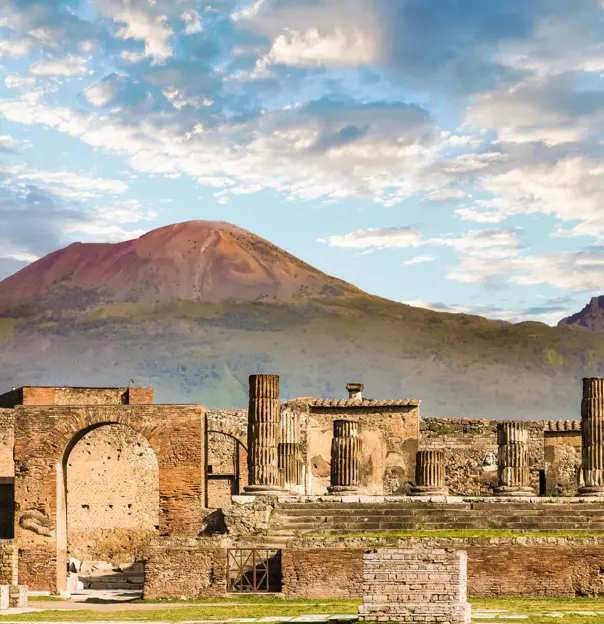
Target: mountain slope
(195,260)
(590,317)
(199,338)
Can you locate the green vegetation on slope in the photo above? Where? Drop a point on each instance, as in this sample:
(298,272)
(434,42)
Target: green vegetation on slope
(459,365)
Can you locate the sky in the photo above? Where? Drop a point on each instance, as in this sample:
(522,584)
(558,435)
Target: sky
(443,153)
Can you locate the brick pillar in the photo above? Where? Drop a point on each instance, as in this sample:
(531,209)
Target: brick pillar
(263,432)
(429,474)
(592,436)
(513,464)
(290,451)
(345,458)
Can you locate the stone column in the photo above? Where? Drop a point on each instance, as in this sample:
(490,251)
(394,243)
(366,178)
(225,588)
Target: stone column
(263,432)
(513,464)
(290,451)
(429,474)
(592,436)
(345,458)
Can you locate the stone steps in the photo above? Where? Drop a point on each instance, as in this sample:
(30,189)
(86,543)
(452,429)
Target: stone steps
(343,517)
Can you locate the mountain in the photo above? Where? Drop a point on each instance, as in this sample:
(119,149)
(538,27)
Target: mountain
(193,309)
(192,261)
(590,317)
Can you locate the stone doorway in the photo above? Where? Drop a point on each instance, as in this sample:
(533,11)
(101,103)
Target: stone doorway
(112,507)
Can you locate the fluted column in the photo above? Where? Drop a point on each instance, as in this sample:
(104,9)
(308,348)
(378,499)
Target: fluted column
(592,436)
(263,433)
(513,461)
(345,457)
(429,474)
(290,451)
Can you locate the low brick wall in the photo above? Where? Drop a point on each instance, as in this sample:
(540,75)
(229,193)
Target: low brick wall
(184,568)
(552,567)
(316,573)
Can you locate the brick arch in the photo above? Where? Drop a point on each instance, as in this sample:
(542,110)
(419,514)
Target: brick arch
(43,440)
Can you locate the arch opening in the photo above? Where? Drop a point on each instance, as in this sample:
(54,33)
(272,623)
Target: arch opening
(110,506)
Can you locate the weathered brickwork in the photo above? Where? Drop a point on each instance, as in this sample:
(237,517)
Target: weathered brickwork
(306,573)
(562,454)
(9,569)
(111,523)
(559,567)
(405,585)
(44,437)
(470,446)
(188,568)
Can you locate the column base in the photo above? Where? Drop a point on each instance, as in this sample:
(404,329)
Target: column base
(342,490)
(425,490)
(592,490)
(514,490)
(263,490)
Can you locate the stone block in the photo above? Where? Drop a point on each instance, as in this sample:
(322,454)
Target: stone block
(17,596)
(4,597)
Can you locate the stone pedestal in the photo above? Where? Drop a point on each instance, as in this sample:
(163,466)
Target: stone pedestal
(17,596)
(263,433)
(413,586)
(513,464)
(345,458)
(429,474)
(290,452)
(592,436)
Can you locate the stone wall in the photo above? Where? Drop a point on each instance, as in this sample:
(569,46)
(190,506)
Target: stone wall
(389,438)
(470,446)
(9,574)
(553,567)
(415,585)
(112,495)
(7,442)
(43,435)
(307,572)
(559,567)
(183,567)
(563,462)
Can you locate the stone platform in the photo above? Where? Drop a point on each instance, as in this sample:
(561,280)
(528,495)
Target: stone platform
(325,515)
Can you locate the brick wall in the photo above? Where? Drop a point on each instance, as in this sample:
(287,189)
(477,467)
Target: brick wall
(412,585)
(306,573)
(8,562)
(111,523)
(563,463)
(470,444)
(183,567)
(560,567)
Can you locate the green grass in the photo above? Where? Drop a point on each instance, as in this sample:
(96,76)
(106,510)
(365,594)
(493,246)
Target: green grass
(539,610)
(459,534)
(251,610)
(48,598)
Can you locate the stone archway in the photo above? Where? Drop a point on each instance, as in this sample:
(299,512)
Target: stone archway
(44,438)
(112,495)
(226,466)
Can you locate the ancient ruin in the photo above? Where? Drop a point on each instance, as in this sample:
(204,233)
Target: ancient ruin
(203,499)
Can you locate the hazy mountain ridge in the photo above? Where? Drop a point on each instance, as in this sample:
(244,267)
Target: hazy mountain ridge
(317,332)
(591,317)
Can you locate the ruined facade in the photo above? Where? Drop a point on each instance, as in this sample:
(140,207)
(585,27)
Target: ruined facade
(106,474)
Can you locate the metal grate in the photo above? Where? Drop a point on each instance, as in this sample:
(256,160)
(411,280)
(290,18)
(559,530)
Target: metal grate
(253,570)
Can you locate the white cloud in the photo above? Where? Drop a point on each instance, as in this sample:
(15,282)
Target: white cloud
(154,31)
(445,195)
(377,238)
(420,259)
(67,66)
(7,143)
(14,48)
(14,81)
(311,48)
(192,21)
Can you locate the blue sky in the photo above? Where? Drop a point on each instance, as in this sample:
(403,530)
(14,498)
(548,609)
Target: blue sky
(443,153)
